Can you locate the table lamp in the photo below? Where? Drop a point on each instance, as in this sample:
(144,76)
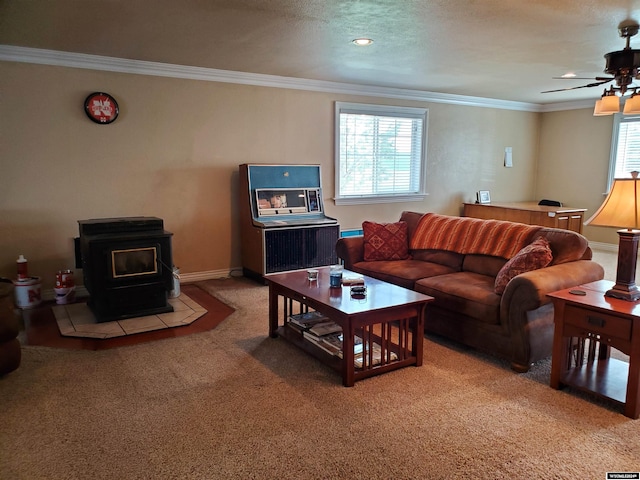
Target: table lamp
(621,209)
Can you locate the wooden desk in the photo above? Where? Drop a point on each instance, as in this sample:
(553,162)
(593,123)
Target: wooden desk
(586,328)
(530,213)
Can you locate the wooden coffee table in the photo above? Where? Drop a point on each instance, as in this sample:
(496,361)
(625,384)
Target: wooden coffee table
(389,318)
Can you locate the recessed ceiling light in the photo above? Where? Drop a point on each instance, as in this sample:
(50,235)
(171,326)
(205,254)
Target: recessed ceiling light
(362,42)
(569,75)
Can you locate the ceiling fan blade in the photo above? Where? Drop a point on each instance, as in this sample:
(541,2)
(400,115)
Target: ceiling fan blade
(595,84)
(599,79)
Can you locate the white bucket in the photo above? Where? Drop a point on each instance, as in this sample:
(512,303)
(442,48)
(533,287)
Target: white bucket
(65,295)
(175,291)
(28,292)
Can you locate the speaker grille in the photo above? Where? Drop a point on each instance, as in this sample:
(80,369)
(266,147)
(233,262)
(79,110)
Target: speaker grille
(292,249)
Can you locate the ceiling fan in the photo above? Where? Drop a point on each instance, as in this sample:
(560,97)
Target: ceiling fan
(622,65)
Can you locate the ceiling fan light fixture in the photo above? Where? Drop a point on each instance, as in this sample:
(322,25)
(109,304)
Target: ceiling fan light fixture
(632,105)
(597,110)
(607,105)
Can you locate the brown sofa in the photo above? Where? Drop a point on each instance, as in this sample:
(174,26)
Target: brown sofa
(452,263)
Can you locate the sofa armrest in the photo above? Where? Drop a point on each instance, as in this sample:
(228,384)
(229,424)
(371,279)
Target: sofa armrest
(530,289)
(350,250)
(526,312)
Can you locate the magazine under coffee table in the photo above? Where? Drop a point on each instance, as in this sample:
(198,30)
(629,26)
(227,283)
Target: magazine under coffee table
(388,319)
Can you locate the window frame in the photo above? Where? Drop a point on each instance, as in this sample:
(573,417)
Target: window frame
(615,138)
(381,111)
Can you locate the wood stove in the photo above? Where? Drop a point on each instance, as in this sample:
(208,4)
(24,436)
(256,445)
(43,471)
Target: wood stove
(127,266)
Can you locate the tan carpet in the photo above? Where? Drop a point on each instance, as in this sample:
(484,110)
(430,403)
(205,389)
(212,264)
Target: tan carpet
(232,403)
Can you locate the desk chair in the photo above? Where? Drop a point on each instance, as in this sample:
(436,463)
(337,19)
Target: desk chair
(550,203)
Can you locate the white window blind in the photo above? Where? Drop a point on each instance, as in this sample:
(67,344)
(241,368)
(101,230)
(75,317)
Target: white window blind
(625,156)
(380,152)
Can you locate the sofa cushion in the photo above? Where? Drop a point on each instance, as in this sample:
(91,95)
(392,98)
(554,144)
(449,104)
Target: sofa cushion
(466,293)
(401,272)
(532,257)
(484,264)
(443,257)
(566,246)
(412,219)
(385,241)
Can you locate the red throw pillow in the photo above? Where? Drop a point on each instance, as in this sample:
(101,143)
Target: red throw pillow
(532,257)
(385,241)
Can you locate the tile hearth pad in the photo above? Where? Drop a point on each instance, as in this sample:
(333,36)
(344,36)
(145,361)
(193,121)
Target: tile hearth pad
(77,320)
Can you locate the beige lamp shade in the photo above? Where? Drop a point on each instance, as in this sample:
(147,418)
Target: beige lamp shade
(607,105)
(632,105)
(621,207)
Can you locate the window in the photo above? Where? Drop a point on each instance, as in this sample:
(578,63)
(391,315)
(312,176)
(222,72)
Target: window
(380,153)
(625,148)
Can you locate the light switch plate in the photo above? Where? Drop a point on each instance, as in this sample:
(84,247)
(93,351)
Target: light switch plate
(508,156)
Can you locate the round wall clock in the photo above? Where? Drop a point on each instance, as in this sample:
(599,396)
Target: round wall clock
(101,107)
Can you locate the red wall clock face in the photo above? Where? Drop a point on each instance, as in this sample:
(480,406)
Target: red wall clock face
(101,107)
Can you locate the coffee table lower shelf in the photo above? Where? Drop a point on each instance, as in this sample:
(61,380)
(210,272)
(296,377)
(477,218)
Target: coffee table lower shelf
(338,364)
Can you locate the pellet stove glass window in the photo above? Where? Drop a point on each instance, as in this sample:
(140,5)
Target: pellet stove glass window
(134,261)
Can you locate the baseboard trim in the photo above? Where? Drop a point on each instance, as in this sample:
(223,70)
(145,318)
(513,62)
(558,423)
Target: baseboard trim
(605,247)
(193,277)
(210,275)
(81,291)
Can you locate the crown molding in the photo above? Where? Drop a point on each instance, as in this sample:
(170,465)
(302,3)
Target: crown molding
(12,53)
(82,292)
(575,105)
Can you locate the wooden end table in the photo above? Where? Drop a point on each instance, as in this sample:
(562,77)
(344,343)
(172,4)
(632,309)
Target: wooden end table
(586,327)
(390,316)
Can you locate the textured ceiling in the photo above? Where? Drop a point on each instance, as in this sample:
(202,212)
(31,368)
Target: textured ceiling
(503,49)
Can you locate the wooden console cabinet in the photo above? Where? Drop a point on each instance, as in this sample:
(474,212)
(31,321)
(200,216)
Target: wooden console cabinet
(531,213)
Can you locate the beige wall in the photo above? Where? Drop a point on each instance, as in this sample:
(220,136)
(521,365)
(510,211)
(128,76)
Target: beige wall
(174,153)
(574,163)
